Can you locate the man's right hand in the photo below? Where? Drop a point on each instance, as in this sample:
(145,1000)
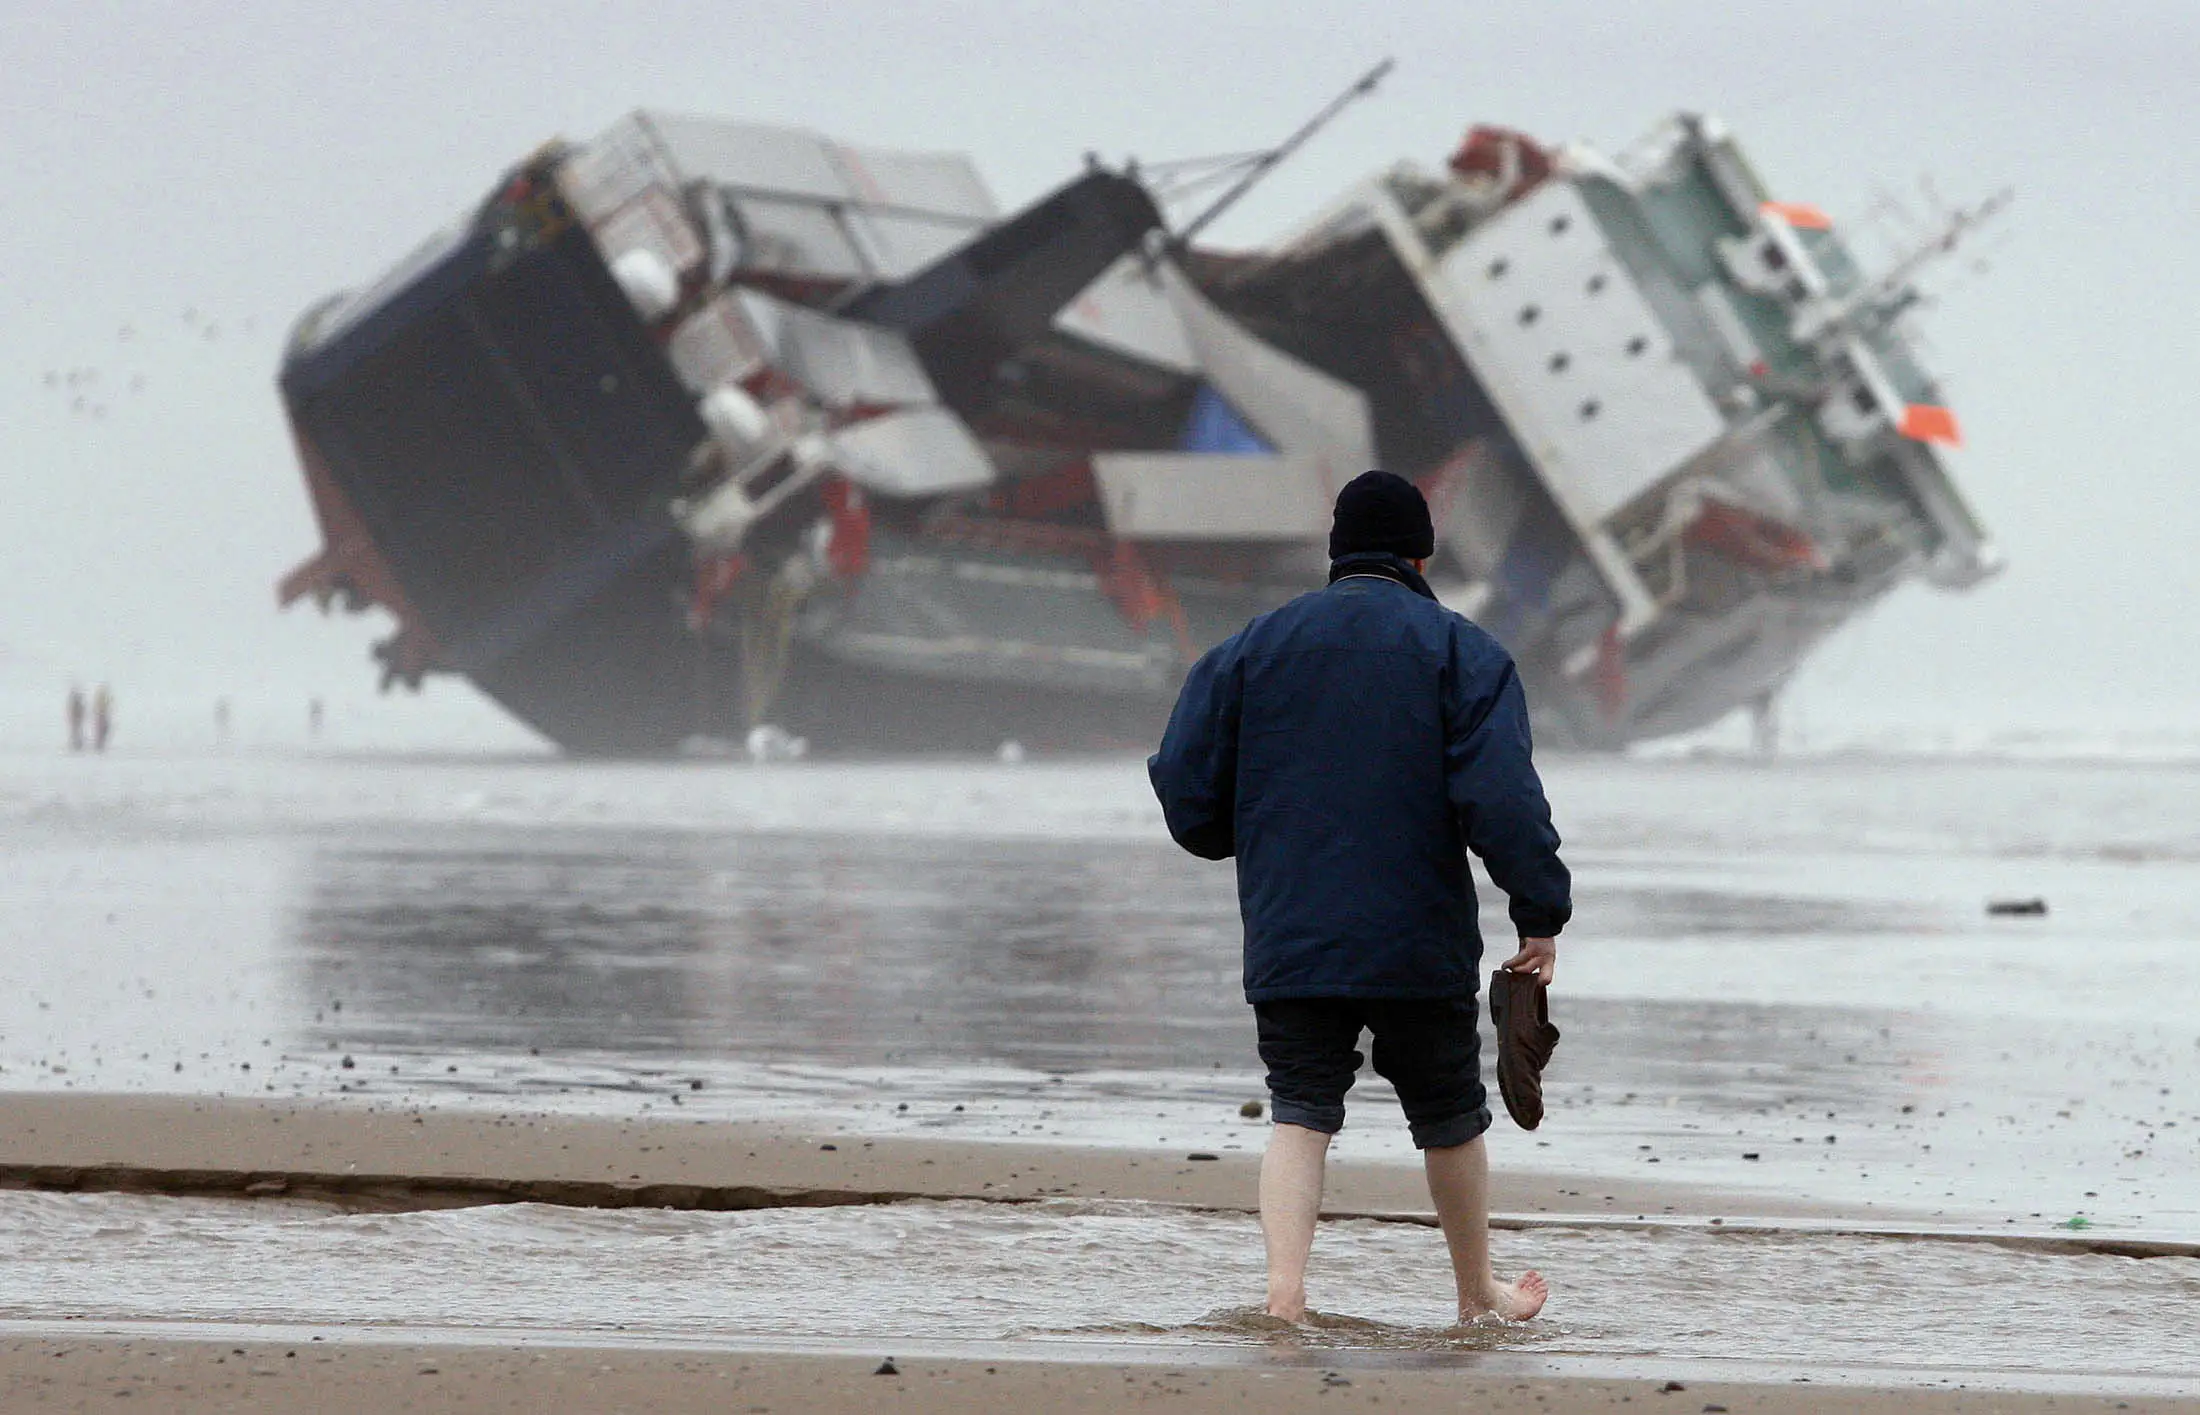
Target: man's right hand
(1538,956)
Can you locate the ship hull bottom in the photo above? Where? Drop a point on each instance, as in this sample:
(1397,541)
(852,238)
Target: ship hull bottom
(624,677)
(845,707)
(689,702)
(673,696)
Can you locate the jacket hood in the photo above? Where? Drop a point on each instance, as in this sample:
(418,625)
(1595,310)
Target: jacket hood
(1387,566)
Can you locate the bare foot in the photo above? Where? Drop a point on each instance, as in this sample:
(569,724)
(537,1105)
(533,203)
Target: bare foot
(1514,1301)
(1288,1306)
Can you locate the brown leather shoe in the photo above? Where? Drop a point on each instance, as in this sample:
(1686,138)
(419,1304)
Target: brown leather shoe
(1520,1010)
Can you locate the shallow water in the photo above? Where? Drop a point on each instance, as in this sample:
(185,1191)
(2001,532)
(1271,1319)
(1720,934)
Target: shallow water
(1095,1272)
(1764,957)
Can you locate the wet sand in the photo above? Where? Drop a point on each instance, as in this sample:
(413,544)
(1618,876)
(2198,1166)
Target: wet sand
(1783,981)
(354,989)
(189,1376)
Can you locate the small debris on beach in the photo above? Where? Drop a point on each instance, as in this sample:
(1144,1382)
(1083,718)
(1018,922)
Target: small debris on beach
(1670,1386)
(887,1368)
(1201,1155)
(2034,908)
(1252,1110)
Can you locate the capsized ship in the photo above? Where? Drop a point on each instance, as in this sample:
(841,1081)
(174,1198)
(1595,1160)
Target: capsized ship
(702,425)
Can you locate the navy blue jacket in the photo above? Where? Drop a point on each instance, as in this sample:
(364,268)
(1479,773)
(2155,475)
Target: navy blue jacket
(1348,749)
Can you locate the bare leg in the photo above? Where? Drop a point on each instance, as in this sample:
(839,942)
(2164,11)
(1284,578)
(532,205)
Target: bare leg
(1290,1203)
(1459,1183)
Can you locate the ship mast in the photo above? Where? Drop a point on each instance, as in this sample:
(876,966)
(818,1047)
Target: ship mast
(1880,299)
(1259,164)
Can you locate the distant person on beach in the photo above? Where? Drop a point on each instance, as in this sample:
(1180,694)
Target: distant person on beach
(77,711)
(1349,749)
(103,717)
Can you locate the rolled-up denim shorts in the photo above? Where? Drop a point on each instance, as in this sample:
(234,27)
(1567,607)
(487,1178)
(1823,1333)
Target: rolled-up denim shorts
(1427,1048)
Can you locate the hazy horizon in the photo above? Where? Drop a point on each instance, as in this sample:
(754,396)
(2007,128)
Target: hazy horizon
(185,180)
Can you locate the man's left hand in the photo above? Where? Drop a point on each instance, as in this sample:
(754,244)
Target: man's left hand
(1538,956)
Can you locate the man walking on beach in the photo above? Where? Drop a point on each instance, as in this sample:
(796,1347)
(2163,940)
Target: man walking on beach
(1348,749)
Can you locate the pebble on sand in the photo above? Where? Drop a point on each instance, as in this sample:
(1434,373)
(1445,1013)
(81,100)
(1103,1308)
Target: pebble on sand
(1251,1110)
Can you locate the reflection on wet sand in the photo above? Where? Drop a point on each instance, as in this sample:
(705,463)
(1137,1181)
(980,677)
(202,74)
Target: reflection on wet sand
(1715,1030)
(868,951)
(883,952)
(1041,957)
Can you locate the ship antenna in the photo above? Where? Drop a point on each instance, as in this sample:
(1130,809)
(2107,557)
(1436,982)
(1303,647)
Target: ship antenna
(1260,164)
(1883,295)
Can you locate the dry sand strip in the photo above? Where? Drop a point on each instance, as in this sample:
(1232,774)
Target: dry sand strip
(377,1158)
(372,1156)
(190,1376)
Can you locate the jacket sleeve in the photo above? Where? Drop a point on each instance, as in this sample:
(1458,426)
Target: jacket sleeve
(1496,793)
(1195,772)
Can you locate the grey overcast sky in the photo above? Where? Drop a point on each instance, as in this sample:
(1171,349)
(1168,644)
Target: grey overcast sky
(177,181)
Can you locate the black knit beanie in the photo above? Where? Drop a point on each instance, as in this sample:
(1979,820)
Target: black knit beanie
(1381,513)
